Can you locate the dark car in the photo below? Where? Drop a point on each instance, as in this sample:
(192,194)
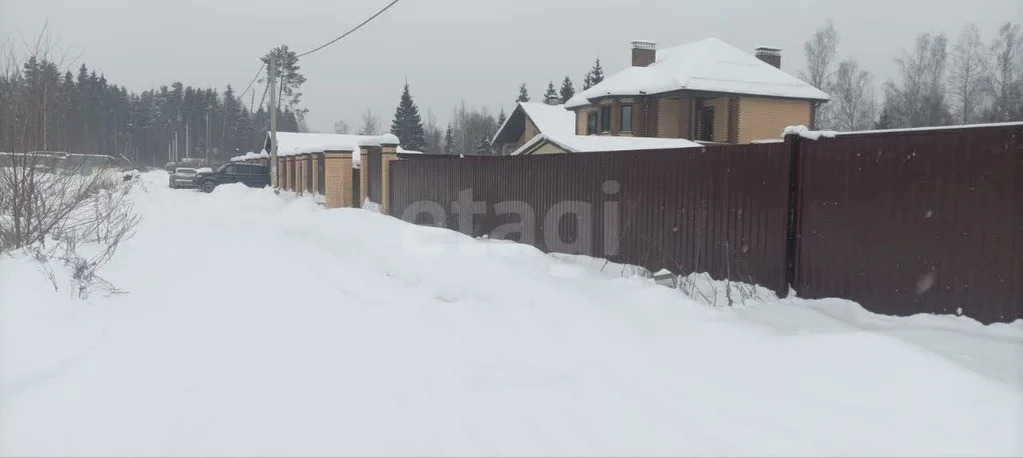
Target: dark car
(256,176)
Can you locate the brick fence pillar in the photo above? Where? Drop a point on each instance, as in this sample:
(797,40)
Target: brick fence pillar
(314,166)
(338,178)
(389,152)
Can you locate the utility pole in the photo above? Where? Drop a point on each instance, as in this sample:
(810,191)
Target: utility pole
(208,136)
(187,152)
(273,123)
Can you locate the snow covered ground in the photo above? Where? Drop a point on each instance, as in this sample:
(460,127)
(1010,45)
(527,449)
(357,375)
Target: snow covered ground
(258,324)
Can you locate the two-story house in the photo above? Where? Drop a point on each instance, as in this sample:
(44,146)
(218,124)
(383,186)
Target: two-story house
(706,90)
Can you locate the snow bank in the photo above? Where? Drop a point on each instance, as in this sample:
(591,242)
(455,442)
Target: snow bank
(805,132)
(333,332)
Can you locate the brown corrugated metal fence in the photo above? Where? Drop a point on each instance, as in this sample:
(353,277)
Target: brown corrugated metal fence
(902,222)
(727,218)
(915,221)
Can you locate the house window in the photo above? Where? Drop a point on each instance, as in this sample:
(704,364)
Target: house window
(591,123)
(605,118)
(707,124)
(626,118)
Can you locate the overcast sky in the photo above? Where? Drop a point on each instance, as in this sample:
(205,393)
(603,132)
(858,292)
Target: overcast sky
(453,50)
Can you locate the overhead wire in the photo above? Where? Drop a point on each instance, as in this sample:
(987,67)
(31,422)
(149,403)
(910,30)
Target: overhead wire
(378,13)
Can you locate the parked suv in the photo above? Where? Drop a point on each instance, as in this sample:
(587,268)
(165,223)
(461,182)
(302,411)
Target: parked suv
(182,177)
(256,176)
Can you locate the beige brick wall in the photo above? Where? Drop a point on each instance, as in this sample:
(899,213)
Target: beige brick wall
(580,119)
(669,115)
(763,118)
(292,174)
(386,157)
(286,175)
(363,177)
(721,116)
(338,178)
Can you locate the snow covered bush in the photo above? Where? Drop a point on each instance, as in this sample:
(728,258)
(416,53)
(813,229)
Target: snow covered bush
(62,213)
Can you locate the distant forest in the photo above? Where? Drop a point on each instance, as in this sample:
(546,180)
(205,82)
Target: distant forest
(48,108)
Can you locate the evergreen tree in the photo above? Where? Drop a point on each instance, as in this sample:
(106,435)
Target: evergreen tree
(501,117)
(449,140)
(483,147)
(596,74)
(551,94)
(567,90)
(407,124)
(289,80)
(523,94)
(587,81)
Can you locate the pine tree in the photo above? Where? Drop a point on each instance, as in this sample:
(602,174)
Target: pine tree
(551,94)
(449,140)
(523,94)
(501,117)
(567,90)
(407,124)
(587,81)
(483,147)
(596,74)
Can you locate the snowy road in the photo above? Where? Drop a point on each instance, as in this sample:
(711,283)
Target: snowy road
(262,325)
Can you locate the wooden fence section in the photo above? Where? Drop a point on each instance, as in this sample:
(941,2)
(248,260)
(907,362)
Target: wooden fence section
(903,222)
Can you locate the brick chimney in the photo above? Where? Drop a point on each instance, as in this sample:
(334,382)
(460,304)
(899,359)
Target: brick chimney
(644,53)
(769,54)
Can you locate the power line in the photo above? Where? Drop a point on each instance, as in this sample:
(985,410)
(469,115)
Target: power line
(350,31)
(254,78)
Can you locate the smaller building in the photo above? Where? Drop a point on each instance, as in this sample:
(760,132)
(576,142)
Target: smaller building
(530,119)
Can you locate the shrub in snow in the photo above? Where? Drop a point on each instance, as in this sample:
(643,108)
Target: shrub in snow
(62,213)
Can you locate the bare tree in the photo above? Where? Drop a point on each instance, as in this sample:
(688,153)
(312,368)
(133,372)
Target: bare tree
(342,127)
(434,134)
(1007,75)
(918,100)
(821,51)
(370,123)
(853,102)
(968,78)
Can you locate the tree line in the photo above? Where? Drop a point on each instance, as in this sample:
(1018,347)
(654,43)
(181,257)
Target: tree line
(470,128)
(48,107)
(939,83)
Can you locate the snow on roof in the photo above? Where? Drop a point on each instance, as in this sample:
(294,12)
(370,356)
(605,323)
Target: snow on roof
(709,65)
(595,143)
(251,155)
(292,143)
(548,119)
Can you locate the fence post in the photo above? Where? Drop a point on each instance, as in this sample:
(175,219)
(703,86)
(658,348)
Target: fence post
(792,234)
